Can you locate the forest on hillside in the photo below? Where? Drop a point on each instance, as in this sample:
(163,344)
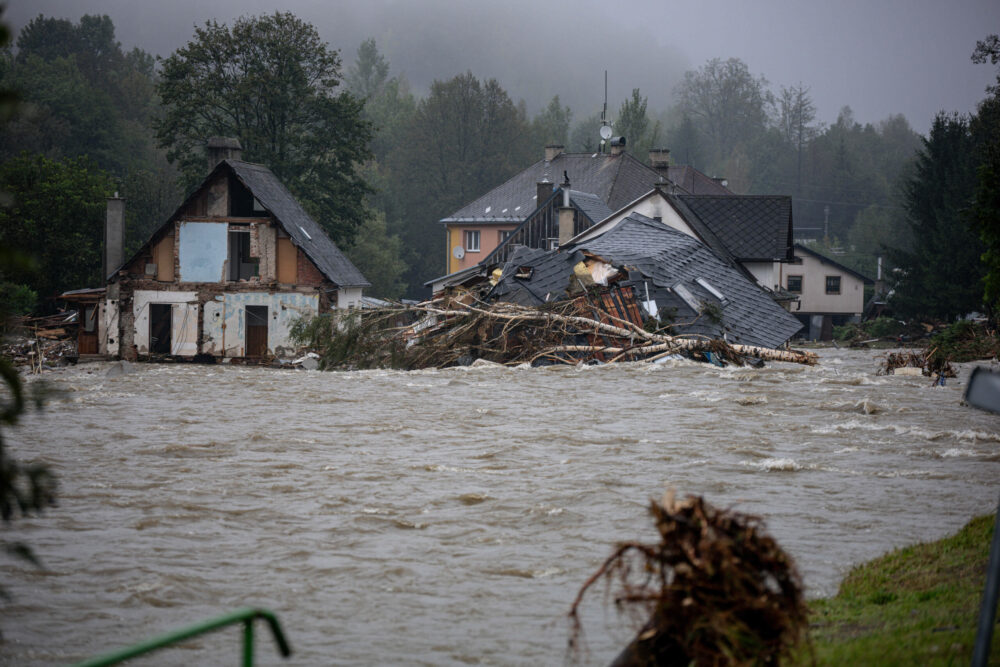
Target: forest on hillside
(378,166)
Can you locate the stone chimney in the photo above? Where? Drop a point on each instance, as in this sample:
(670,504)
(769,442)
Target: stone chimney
(617,145)
(566,217)
(544,191)
(553,151)
(114,236)
(218,149)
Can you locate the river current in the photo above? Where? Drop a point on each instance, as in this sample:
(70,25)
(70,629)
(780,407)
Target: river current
(449,517)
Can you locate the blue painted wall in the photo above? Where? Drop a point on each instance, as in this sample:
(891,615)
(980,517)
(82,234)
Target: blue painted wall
(203,250)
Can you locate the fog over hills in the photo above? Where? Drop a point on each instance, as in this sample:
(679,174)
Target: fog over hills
(880,58)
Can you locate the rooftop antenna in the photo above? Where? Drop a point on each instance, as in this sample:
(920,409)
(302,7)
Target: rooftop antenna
(605,124)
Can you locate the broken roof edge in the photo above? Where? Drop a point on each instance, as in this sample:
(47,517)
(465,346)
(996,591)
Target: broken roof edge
(334,250)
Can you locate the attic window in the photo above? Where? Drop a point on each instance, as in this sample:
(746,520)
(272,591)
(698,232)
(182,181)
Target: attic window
(685,294)
(714,292)
(305,232)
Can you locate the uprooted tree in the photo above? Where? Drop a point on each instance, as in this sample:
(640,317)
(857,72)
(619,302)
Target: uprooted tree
(715,590)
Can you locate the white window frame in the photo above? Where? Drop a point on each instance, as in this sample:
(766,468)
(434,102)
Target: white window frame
(472,240)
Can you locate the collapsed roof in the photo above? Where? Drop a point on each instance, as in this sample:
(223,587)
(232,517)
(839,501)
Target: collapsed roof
(676,276)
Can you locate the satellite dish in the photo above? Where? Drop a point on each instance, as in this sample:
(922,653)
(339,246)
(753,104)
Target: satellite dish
(605,132)
(458,252)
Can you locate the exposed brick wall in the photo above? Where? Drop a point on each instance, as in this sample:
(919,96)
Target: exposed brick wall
(307,273)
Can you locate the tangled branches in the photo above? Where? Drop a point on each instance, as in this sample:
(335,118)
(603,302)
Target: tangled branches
(715,590)
(444,332)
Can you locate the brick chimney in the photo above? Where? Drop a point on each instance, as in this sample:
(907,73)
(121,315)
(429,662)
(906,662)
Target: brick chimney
(553,151)
(114,236)
(218,149)
(617,145)
(544,191)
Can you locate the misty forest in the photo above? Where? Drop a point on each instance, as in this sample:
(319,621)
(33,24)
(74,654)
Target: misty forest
(379,165)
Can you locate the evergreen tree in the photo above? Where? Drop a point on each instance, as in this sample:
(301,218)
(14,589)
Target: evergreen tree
(940,277)
(985,212)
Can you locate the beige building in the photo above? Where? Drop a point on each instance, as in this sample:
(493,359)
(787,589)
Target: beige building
(830,294)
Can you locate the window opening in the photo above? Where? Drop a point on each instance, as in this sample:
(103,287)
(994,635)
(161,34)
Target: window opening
(241,265)
(795,284)
(833,284)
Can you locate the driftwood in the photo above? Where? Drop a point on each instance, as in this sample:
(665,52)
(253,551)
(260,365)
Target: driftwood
(444,332)
(651,342)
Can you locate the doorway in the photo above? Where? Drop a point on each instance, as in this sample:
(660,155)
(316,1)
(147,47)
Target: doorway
(256,343)
(160,324)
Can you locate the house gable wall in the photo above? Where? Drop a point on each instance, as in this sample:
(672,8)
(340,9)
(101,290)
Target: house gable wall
(814,299)
(208,311)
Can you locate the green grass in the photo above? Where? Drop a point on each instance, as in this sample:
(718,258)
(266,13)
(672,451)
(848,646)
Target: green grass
(915,606)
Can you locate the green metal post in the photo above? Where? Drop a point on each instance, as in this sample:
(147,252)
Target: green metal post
(248,643)
(244,616)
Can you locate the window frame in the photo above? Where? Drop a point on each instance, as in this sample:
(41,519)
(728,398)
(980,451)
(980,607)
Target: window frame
(840,284)
(470,236)
(788,283)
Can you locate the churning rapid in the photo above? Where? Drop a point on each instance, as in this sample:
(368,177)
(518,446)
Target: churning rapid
(449,517)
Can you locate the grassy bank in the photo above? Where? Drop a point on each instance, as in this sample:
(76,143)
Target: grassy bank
(915,606)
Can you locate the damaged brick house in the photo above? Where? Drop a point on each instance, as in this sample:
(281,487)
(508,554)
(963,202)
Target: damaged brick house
(228,274)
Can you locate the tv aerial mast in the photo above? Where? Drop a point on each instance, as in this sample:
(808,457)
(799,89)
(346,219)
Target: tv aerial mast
(605,124)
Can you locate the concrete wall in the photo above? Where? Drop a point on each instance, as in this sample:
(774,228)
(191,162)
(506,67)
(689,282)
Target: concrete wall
(764,273)
(203,251)
(349,297)
(184,320)
(224,329)
(107,341)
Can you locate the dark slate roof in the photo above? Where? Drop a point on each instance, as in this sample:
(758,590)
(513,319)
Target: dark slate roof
(692,181)
(615,179)
(305,232)
(753,227)
(659,259)
(832,262)
(590,205)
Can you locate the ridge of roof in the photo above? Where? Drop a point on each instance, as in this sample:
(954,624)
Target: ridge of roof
(830,260)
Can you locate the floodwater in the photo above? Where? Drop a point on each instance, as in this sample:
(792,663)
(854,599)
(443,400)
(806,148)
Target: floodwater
(449,517)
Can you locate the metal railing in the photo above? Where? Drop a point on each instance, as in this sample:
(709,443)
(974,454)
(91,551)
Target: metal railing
(245,616)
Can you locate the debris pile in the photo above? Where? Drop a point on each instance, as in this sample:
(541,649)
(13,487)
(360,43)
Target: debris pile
(447,332)
(715,590)
(41,342)
(910,362)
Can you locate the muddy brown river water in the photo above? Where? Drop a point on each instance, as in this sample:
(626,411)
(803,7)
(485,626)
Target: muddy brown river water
(449,517)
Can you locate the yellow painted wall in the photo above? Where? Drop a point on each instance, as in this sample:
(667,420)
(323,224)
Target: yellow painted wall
(287,262)
(163,255)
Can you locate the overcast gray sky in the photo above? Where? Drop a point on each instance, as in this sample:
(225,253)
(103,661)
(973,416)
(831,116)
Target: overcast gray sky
(878,56)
